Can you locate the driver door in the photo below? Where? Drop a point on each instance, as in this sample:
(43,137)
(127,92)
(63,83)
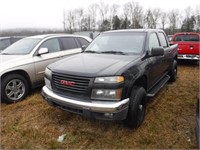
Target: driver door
(42,61)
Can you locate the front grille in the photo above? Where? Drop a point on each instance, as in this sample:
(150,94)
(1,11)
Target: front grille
(81,84)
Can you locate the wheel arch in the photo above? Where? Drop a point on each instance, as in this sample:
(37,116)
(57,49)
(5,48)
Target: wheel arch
(19,72)
(140,82)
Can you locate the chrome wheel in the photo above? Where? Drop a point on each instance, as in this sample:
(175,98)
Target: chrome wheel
(15,89)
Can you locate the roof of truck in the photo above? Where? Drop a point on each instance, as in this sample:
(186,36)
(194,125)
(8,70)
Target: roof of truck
(133,30)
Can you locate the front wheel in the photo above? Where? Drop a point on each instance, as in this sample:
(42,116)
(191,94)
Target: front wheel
(14,88)
(173,71)
(137,108)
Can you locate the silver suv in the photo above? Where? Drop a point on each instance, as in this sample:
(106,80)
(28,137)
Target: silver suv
(22,65)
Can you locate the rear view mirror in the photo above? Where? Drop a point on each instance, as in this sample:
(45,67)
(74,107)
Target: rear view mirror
(83,47)
(43,51)
(157,51)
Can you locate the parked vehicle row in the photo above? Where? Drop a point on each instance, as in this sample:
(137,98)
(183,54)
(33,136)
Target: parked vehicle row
(23,63)
(111,79)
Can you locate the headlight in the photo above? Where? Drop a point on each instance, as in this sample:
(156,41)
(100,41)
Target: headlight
(48,73)
(47,83)
(47,78)
(106,94)
(115,79)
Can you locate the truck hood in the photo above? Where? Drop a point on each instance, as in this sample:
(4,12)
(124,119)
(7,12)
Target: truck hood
(92,65)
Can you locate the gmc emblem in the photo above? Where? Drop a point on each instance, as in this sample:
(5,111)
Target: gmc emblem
(67,83)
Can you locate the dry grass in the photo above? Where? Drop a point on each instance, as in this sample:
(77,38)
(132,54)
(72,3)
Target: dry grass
(169,123)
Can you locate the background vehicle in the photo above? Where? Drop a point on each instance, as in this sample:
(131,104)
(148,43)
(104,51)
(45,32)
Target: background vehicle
(7,41)
(169,37)
(188,45)
(127,66)
(90,34)
(24,62)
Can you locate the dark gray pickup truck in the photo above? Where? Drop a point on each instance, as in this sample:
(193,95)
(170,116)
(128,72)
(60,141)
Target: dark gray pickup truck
(114,76)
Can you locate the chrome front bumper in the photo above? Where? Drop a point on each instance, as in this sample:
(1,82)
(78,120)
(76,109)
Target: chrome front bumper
(93,106)
(188,57)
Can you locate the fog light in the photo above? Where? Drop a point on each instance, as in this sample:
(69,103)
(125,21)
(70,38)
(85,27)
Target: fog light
(109,115)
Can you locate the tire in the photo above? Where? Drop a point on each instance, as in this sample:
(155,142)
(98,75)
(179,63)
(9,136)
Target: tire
(137,108)
(14,88)
(173,72)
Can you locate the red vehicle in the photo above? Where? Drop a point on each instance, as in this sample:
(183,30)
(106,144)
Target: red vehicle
(188,45)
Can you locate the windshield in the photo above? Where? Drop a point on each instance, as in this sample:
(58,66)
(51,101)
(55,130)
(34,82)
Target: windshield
(24,46)
(118,43)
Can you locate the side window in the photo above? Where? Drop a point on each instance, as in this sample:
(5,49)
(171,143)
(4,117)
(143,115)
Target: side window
(52,45)
(178,38)
(68,43)
(4,43)
(153,41)
(83,41)
(194,38)
(162,39)
(186,38)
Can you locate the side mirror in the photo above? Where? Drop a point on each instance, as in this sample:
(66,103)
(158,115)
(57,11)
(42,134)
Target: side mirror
(43,51)
(83,47)
(158,51)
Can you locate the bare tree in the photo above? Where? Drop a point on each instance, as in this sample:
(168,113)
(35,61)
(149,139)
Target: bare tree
(173,20)
(126,11)
(92,9)
(135,11)
(188,12)
(79,13)
(103,9)
(163,19)
(64,20)
(70,18)
(113,12)
(156,13)
(149,18)
(197,18)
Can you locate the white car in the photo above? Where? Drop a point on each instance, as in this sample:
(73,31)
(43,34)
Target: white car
(22,65)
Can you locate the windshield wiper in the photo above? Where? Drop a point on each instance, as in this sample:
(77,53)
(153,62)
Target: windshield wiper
(90,51)
(114,52)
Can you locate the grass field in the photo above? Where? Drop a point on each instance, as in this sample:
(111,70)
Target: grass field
(169,122)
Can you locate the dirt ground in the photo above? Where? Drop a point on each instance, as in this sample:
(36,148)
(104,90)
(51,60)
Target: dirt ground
(169,122)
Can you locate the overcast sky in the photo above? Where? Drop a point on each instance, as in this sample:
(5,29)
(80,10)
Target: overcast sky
(49,13)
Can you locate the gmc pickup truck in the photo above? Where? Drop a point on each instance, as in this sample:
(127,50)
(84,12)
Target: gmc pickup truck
(188,45)
(113,77)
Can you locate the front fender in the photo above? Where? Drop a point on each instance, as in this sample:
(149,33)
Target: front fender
(132,75)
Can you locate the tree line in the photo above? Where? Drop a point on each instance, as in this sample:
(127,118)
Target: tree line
(102,17)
